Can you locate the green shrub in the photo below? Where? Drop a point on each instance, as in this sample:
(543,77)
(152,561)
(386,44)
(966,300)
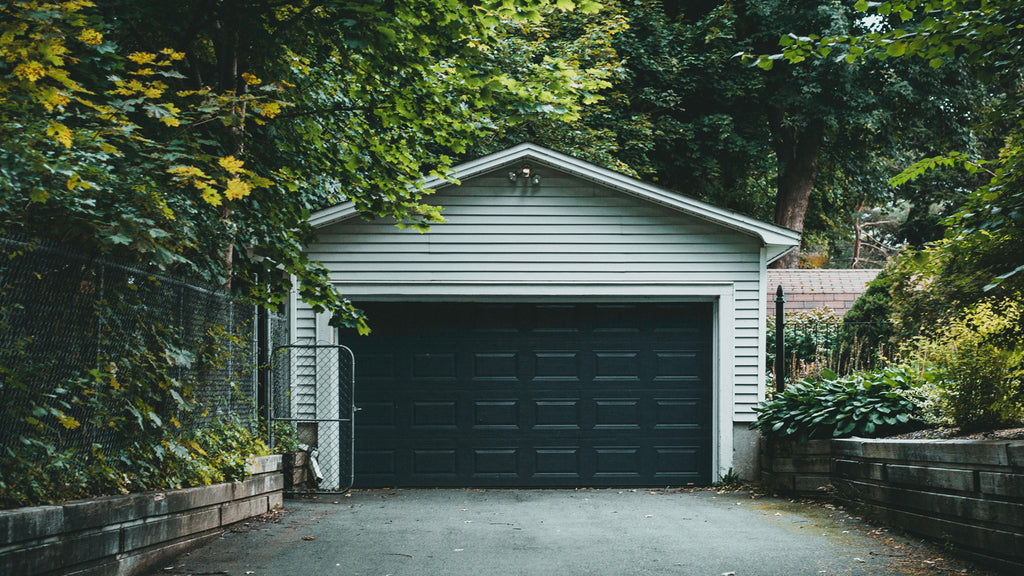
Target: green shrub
(977,358)
(285,437)
(867,336)
(861,404)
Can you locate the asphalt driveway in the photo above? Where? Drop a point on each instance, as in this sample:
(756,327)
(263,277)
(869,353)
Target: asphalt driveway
(603,532)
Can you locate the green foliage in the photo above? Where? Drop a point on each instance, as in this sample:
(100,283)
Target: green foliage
(204,143)
(868,331)
(133,389)
(216,453)
(983,245)
(977,358)
(861,404)
(285,437)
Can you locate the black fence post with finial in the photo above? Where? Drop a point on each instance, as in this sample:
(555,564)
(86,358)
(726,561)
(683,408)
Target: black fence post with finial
(780,339)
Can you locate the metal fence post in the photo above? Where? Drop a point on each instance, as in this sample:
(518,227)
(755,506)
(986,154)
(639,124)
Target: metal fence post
(780,339)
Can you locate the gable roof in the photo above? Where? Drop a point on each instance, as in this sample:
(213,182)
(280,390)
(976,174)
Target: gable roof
(777,240)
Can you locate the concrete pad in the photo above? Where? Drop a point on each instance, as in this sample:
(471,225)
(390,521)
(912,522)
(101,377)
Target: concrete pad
(608,532)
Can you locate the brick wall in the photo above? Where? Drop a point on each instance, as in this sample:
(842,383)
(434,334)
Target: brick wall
(124,535)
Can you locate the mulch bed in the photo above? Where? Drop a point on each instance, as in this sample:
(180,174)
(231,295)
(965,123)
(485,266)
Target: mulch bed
(956,434)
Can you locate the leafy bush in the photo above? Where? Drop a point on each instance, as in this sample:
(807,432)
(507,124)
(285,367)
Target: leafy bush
(868,333)
(862,404)
(977,358)
(285,437)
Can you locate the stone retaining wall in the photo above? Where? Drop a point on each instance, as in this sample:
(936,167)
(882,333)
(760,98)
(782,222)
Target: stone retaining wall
(124,535)
(798,469)
(298,475)
(965,493)
(968,493)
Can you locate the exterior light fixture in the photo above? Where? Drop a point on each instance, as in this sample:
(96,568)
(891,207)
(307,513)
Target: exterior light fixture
(526,173)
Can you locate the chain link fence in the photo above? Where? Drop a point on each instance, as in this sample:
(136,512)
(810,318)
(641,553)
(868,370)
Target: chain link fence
(95,352)
(312,401)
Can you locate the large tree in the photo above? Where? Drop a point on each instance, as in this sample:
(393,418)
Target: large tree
(809,146)
(982,254)
(200,134)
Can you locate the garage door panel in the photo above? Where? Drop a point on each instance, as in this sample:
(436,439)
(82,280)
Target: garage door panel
(434,366)
(679,413)
(496,366)
(496,463)
(556,414)
(547,395)
(556,366)
(432,415)
(617,365)
(496,415)
(621,462)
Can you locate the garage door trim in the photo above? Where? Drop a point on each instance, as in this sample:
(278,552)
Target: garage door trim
(721,295)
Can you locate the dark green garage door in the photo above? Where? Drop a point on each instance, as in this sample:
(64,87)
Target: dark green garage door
(534,395)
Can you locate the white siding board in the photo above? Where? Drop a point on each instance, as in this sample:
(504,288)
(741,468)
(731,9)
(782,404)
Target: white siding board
(567,230)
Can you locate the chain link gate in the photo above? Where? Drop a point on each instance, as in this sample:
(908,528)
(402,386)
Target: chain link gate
(312,402)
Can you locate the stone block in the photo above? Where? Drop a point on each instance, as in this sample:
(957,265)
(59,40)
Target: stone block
(83,547)
(242,509)
(96,512)
(996,542)
(24,524)
(41,558)
(962,508)
(275,500)
(199,497)
(1015,453)
(257,485)
(850,448)
(854,469)
(264,464)
(815,464)
(983,452)
(777,482)
(155,531)
(945,478)
(804,484)
(1002,484)
(851,490)
(139,561)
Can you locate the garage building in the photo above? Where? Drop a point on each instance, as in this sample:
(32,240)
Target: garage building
(567,326)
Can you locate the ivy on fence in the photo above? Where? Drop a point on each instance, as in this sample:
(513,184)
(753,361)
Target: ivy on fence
(115,378)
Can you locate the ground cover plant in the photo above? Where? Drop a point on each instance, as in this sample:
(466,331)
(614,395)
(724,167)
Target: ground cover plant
(831,406)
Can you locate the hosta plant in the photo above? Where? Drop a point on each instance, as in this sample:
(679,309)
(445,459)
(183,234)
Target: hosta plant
(862,404)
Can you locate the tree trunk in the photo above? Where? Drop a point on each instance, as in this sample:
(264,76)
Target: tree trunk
(798,151)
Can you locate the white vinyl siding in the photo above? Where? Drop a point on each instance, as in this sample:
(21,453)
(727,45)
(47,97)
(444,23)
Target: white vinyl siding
(567,230)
